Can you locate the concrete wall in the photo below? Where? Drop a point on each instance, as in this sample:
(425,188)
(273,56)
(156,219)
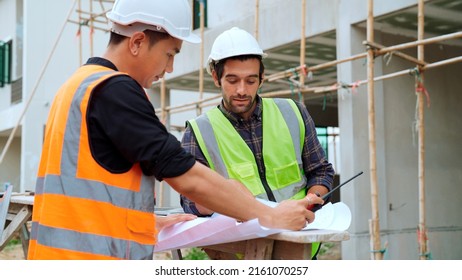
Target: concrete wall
(9,169)
(442,155)
(397,163)
(279,24)
(50,57)
(8,20)
(10,165)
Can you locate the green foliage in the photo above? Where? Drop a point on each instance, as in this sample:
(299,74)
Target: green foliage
(12,243)
(325,246)
(196,254)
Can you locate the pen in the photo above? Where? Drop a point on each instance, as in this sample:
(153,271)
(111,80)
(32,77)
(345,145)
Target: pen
(315,207)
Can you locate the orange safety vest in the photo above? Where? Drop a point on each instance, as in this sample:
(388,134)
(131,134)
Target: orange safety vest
(81,210)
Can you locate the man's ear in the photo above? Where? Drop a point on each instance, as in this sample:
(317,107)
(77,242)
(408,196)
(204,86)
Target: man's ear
(135,42)
(215,79)
(262,79)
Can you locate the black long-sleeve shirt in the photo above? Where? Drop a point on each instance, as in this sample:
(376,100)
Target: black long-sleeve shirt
(123,130)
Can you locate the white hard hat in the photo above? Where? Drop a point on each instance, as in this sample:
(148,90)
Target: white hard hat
(173,17)
(233,42)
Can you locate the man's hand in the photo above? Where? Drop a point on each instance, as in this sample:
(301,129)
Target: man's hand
(291,214)
(166,221)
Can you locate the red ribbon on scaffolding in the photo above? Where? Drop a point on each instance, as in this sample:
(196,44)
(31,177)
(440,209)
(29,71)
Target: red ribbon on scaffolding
(304,71)
(421,236)
(354,86)
(420,88)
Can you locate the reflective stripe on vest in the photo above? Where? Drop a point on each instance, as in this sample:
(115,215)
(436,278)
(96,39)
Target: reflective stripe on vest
(228,154)
(82,211)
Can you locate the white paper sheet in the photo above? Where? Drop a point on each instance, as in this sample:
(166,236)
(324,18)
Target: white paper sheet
(222,229)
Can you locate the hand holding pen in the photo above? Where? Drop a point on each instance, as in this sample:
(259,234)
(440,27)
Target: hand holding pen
(314,207)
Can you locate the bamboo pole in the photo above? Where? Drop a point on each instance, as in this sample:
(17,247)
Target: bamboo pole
(394,74)
(284,74)
(442,62)
(374,226)
(163,118)
(419,82)
(93,15)
(201,68)
(103,13)
(379,51)
(85,19)
(160,199)
(432,40)
(34,89)
(194,104)
(302,43)
(92,26)
(314,90)
(306,90)
(257,19)
(163,114)
(335,150)
(80,33)
(378,46)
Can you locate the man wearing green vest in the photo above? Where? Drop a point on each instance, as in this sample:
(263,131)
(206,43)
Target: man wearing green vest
(270,145)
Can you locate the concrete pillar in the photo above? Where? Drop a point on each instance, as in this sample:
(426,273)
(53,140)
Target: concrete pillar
(43,77)
(32,131)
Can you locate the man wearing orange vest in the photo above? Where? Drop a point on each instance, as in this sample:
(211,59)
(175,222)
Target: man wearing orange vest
(104,147)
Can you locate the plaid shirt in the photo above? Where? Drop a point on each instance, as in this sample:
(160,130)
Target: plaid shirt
(318,170)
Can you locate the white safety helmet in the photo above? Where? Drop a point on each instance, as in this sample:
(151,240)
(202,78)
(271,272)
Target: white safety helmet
(233,42)
(172,16)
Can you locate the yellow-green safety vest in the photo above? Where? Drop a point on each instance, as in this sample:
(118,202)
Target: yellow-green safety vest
(283,136)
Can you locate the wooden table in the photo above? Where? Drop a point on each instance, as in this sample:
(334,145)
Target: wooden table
(292,245)
(19,213)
